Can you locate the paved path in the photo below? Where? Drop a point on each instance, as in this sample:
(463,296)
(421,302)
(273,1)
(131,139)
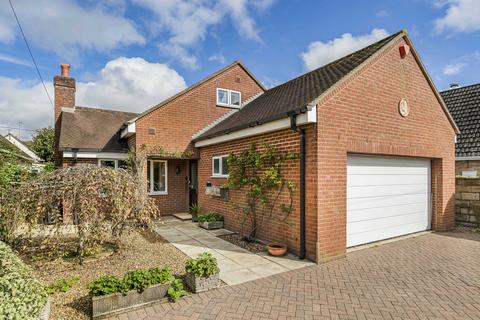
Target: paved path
(434,276)
(236,265)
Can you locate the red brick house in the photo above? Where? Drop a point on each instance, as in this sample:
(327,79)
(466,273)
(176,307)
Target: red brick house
(375,139)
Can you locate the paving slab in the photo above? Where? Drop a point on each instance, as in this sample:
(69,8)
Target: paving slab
(183,216)
(237,265)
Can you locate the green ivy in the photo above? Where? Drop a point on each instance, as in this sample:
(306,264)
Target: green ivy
(205,265)
(176,290)
(258,173)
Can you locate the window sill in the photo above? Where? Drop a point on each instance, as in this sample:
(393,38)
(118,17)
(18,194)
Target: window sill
(227,106)
(162,193)
(219,176)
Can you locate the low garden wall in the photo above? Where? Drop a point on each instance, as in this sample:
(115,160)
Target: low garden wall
(467,201)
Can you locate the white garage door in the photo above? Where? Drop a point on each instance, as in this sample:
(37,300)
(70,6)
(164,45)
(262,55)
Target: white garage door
(386,197)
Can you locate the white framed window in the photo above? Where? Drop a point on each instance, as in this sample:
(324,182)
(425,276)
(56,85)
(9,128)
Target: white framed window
(229,98)
(157,175)
(113,163)
(220,166)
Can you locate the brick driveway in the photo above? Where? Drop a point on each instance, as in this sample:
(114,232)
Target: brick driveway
(434,276)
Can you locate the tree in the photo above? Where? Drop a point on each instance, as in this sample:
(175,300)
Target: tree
(259,174)
(43,144)
(105,202)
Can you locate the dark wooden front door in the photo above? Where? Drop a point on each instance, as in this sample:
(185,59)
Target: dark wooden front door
(193,179)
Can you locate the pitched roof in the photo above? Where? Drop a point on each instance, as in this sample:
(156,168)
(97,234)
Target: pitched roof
(164,102)
(93,129)
(8,149)
(296,94)
(464,105)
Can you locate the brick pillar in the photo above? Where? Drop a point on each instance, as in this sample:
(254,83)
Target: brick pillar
(64,87)
(443,194)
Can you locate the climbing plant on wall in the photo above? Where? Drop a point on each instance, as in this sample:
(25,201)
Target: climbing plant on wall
(258,173)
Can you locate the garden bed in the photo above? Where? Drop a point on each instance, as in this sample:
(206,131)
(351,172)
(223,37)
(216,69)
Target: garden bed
(236,239)
(138,250)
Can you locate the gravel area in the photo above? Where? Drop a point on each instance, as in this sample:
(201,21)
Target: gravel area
(236,239)
(143,249)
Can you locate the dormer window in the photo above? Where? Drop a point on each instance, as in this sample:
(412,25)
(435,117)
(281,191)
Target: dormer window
(228,98)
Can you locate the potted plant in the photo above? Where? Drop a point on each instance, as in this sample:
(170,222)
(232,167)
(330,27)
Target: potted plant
(202,273)
(277,249)
(210,220)
(195,211)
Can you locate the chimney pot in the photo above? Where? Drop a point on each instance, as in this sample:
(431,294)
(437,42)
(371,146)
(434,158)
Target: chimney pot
(65,67)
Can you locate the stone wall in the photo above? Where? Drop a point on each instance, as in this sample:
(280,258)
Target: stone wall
(467,202)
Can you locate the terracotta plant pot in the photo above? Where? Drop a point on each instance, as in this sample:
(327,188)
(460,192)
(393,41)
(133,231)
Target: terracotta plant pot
(277,249)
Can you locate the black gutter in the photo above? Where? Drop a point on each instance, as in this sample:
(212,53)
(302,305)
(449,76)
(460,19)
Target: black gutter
(301,132)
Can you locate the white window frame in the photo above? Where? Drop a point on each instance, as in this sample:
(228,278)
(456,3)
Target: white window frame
(151,192)
(229,98)
(107,159)
(220,167)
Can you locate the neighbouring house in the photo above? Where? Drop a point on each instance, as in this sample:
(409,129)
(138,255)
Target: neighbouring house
(375,139)
(11,146)
(464,105)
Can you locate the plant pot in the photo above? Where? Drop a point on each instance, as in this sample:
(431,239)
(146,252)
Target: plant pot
(45,314)
(211,225)
(199,284)
(118,302)
(194,217)
(277,249)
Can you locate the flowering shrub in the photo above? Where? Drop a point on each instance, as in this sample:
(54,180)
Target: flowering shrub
(21,296)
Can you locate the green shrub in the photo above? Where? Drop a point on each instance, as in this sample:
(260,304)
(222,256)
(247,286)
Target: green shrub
(105,285)
(133,280)
(210,217)
(21,296)
(205,265)
(176,290)
(62,285)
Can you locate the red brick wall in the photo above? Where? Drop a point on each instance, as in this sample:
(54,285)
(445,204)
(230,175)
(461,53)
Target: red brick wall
(361,116)
(177,198)
(275,230)
(179,119)
(64,97)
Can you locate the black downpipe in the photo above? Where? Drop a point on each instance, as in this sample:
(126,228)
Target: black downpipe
(301,132)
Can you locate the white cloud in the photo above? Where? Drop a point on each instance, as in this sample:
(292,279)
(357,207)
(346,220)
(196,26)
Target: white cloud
(63,26)
(320,53)
(452,68)
(186,23)
(460,16)
(129,84)
(11,59)
(219,57)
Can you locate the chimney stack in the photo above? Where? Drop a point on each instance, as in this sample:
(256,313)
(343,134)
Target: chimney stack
(64,91)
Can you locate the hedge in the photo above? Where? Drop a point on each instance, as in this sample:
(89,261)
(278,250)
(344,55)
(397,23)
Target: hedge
(21,296)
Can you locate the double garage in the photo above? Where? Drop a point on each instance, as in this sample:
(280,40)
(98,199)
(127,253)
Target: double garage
(387,197)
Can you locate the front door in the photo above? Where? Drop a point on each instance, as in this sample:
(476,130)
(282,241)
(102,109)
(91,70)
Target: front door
(193,185)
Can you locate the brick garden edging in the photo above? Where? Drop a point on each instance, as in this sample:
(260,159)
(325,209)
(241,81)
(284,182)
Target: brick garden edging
(118,302)
(467,202)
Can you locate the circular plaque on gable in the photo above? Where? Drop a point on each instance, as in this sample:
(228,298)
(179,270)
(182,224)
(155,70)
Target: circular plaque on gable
(403,108)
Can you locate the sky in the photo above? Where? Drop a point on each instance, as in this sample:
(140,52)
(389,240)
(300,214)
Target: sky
(131,54)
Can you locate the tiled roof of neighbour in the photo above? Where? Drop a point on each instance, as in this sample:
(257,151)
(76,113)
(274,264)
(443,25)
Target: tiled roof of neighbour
(294,95)
(93,129)
(464,105)
(9,149)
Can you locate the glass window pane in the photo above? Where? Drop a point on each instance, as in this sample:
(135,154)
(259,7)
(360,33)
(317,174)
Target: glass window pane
(224,166)
(216,166)
(162,181)
(107,163)
(222,96)
(156,176)
(235,99)
(123,164)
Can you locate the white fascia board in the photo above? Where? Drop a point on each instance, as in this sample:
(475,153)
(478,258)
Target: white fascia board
(95,155)
(467,158)
(304,118)
(20,145)
(128,131)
